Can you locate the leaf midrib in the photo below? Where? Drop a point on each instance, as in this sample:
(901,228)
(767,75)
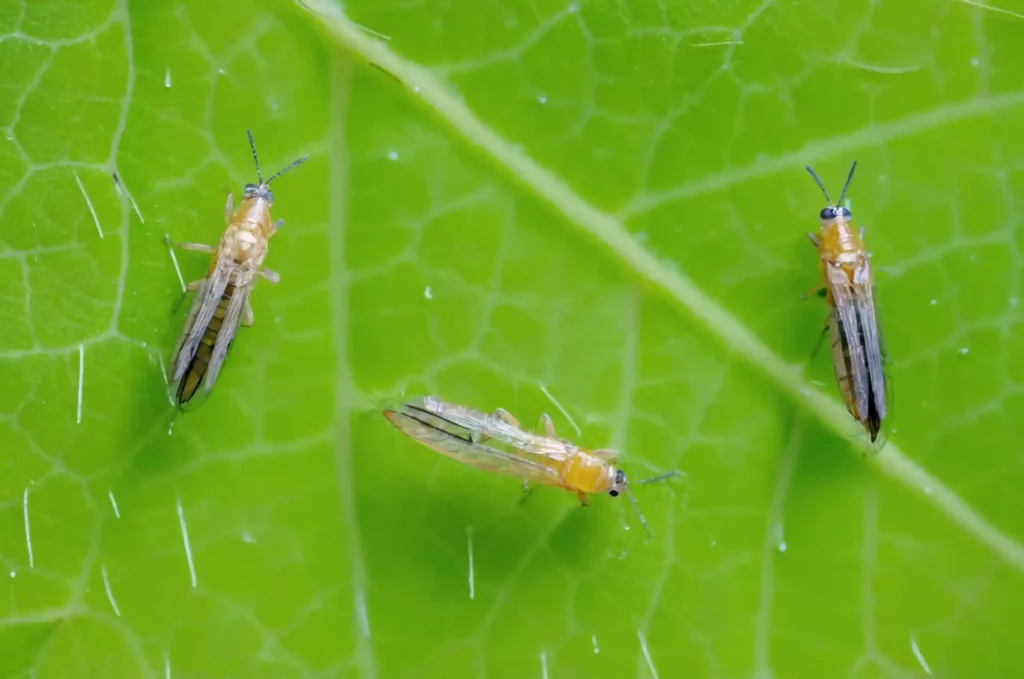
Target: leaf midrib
(607,232)
(340,88)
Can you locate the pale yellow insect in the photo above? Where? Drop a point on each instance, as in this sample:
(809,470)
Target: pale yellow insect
(460,433)
(857,353)
(221,302)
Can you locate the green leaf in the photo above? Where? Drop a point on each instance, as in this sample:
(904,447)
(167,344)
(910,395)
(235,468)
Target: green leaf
(604,202)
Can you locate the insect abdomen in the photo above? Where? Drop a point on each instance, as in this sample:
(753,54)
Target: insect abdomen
(197,368)
(844,369)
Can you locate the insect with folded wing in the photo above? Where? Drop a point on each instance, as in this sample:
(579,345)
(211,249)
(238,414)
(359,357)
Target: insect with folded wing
(857,353)
(221,302)
(497,443)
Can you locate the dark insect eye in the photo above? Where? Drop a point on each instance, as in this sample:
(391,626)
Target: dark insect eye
(828,213)
(845,213)
(613,493)
(250,189)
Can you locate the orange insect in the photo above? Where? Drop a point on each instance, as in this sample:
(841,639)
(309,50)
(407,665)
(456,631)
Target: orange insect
(460,432)
(857,353)
(221,303)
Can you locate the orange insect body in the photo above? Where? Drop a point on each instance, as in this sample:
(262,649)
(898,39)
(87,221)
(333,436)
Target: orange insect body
(221,303)
(460,433)
(840,244)
(857,354)
(585,473)
(248,234)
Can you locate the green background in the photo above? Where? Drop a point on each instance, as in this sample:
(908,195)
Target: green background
(460,229)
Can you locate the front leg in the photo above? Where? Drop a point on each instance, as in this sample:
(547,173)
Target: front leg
(814,240)
(194,247)
(270,276)
(275,226)
(198,247)
(584,500)
(229,208)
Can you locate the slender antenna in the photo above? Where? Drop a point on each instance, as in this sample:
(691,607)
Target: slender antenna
(257,161)
(643,521)
(297,162)
(822,186)
(655,479)
(849,178)
(254,157)
(659,477)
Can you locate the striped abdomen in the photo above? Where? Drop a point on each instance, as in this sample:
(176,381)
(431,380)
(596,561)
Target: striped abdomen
(197,368)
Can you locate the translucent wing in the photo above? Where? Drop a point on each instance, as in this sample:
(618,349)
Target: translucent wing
(457,441)
(204,305)
(226,335)
(493,427)
(864,301)
(847,325)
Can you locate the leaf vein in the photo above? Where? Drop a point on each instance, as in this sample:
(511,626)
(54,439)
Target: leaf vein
(339,291)
(607,231)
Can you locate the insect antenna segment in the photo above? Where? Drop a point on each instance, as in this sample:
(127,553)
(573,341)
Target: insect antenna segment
(636,505)
(255,158)
(821,186)
(849,178)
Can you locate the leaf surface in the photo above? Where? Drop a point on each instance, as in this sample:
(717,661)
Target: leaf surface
(600,203)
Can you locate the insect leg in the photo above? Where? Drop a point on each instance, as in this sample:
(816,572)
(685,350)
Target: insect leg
(194,285)
(503,415)
(606,454)
(814,239)
(819,290)
(506,417)
(584,500)
(821,337)
(247,316)
(275,226)
(229,208)
(548,425)
(527,491)
(195,247)
(271,276)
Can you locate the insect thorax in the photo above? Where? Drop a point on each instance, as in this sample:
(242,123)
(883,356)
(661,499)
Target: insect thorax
(254,212)
(585,472)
